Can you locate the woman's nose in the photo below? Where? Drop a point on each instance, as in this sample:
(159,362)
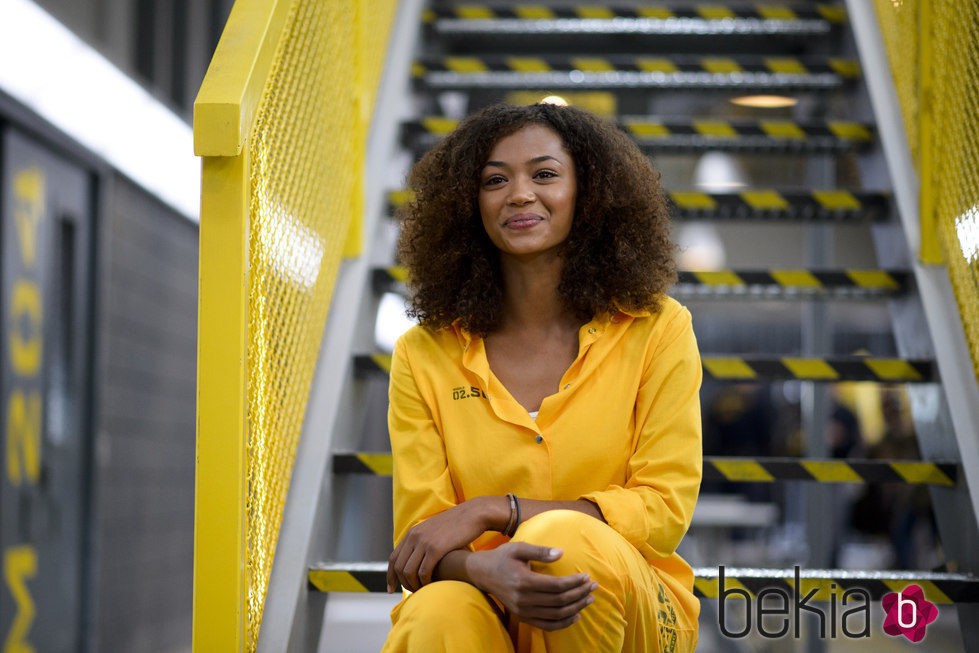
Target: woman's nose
(521,193)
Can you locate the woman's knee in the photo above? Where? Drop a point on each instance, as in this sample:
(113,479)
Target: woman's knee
(420,623)
(585,541)
(433,601)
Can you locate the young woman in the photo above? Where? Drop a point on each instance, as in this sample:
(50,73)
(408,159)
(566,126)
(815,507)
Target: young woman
(544,415)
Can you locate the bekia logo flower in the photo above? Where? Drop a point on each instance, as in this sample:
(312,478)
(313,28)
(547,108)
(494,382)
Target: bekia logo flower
(908,613)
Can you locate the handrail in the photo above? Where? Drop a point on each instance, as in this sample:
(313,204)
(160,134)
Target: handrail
(223,116)
(229,95)
(281,122)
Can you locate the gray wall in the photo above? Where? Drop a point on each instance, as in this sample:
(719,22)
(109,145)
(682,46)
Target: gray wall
(146,328)
(164,44)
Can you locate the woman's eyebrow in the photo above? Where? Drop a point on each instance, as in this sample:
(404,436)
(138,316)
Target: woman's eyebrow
(545,157)
(536,159)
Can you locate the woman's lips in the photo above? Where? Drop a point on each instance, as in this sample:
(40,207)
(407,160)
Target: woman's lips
(522,221)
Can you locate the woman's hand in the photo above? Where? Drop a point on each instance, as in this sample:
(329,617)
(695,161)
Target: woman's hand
(413,561)
(541,600)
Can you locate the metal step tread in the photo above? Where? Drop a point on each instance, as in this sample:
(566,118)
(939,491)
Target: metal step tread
(626,71)
(770,368)
(757,204)
(668,19)
(749,470)
(699,134)
(748,284)
(827,584)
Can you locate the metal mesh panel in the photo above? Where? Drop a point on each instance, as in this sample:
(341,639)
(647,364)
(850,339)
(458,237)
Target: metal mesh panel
(307,148)
(899,24)
(942,34)
(954,178)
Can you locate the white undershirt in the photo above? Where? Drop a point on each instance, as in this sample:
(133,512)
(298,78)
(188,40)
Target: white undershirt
(533,414)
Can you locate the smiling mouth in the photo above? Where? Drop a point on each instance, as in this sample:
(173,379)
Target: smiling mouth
(522,221)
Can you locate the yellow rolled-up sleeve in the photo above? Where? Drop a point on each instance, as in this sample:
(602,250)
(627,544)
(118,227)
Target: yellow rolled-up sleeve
(653,509)
(422,483)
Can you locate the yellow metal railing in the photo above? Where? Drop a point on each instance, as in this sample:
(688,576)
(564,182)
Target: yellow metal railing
(281,122)
(934,58)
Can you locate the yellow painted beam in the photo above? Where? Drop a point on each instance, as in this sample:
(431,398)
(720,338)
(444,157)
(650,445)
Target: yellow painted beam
(228,99)
(219,516)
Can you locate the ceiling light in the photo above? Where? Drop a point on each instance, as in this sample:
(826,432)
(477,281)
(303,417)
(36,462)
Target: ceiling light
(391,321)
(555,99)
(765,101)
(718,172)
(700,246)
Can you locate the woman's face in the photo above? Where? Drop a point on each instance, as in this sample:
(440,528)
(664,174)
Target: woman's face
(527,192)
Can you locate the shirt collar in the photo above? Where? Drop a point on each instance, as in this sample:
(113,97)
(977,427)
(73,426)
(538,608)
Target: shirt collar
(465,338)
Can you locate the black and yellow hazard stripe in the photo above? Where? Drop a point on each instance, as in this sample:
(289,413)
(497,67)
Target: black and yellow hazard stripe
(770,470)
(824,584)
(634,71)
(763,204)
(670,11)
(830,584)
(748,284)
(388,279)
(773,368)
(747,470)
(837,368)
(365,364)
(349,577)
(654,135)
(770,204)
(789,283)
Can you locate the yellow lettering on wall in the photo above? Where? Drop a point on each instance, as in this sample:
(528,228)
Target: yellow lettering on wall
(29,207)
(25,348)
(24,437)
(19,564)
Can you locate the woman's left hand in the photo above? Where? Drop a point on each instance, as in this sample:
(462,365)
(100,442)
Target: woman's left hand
(413,561)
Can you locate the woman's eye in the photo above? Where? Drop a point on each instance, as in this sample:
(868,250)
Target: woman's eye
(545,174)
(494,180)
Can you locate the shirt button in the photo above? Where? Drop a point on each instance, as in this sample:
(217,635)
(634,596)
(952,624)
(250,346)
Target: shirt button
(567,386)
(539,439)
(592,330)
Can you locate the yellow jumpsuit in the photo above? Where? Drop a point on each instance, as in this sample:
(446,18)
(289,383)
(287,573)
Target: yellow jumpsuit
(623,431)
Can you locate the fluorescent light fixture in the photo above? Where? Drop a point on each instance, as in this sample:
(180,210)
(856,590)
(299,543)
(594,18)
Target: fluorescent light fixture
(718,172)
(69,84)
(967,229)
(555,99)
(700,246)
(391,321)
(765,101)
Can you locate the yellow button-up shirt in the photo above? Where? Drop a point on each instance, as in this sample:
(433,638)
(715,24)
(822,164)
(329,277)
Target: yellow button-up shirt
(623,430)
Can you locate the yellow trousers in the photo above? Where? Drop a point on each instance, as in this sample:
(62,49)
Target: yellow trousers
(633,611)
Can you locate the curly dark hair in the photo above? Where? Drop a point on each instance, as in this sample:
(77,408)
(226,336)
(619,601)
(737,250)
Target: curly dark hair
(618,255)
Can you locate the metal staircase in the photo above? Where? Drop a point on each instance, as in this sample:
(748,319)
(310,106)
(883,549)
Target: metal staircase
(819,285)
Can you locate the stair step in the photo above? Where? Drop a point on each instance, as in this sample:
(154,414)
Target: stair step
(941,588)
(666,19)
(627,71)
(759,204)
(748,284)
(748,470)
(770,368)
(695,135)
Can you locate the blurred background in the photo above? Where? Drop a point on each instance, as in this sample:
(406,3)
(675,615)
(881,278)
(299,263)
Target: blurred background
(224,320)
